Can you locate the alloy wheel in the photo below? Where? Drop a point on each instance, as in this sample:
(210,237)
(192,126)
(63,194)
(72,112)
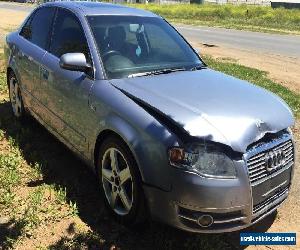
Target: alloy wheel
(15,97)
(117,181)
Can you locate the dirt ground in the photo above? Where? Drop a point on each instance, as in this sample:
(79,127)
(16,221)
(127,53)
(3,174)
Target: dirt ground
(10,20)
(283,70)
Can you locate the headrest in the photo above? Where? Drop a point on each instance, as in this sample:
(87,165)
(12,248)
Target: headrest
(116,32)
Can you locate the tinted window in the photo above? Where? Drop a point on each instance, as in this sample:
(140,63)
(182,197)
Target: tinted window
(38,27)
(160,41)
(133,44)
(26,30)
(68,35)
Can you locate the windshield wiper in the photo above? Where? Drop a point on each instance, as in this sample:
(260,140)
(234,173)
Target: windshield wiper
(198,67)
(156,72)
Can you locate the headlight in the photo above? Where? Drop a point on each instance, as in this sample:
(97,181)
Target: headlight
(203,160)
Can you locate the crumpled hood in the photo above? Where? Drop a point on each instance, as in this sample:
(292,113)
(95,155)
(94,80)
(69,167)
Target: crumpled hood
(212,105)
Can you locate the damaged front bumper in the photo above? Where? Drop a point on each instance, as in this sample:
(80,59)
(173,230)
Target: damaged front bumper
(232,204)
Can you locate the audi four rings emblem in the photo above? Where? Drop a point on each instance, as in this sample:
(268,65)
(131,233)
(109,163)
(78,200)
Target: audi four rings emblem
(274,159)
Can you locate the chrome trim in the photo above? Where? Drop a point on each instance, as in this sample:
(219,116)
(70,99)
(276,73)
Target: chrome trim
(214,221)
(276,202)
(235,228)
(230,220)
(273,189)
(272,175)
(276,158)
(264,215)
(188,218)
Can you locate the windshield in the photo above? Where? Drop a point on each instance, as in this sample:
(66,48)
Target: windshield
(131,45)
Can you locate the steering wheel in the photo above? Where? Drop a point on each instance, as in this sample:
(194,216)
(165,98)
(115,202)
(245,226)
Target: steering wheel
(110,53)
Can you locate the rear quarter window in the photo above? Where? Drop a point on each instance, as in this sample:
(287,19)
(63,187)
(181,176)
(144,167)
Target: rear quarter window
(38,27)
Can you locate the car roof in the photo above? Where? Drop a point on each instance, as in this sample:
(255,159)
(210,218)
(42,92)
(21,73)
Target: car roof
(97,8)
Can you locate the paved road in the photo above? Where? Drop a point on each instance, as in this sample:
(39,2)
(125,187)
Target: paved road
(284,45)
(15,6)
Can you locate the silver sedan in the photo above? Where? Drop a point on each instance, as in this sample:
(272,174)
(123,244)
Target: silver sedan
(165,135)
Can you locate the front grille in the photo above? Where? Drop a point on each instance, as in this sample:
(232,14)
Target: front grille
(267,204)
(257,166)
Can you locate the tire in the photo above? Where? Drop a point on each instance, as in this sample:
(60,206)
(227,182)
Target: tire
(15,96)
(120,182)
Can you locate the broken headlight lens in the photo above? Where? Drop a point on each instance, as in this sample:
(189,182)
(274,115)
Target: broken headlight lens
(203,160)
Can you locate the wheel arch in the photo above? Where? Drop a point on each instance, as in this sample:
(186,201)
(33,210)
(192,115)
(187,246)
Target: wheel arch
(143,206)
(100,139)
(12,69)
(146,139)
(9,70)
(106,133)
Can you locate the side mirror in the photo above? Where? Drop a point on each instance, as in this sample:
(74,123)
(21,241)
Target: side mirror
(74,62)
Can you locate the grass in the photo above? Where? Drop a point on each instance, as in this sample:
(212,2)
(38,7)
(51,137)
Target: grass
(44,188)
(26,211)
(246,17)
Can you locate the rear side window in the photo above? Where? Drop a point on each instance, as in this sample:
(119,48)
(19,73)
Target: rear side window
(26,30)
(38,27)
(68,35)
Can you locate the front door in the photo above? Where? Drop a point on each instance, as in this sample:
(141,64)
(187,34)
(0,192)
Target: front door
(66,93)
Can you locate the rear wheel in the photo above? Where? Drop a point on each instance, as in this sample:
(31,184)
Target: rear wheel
(120,181)
(15,96)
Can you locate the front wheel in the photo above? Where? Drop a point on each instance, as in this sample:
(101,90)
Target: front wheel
(15,96)
(120,181)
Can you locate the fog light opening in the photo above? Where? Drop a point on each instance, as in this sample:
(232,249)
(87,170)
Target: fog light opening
(205,220)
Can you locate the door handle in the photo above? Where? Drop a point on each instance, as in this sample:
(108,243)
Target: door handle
(45,73)
(30,58)
(20,54)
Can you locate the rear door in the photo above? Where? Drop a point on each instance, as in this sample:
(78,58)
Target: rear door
(66,93)
(35,40)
